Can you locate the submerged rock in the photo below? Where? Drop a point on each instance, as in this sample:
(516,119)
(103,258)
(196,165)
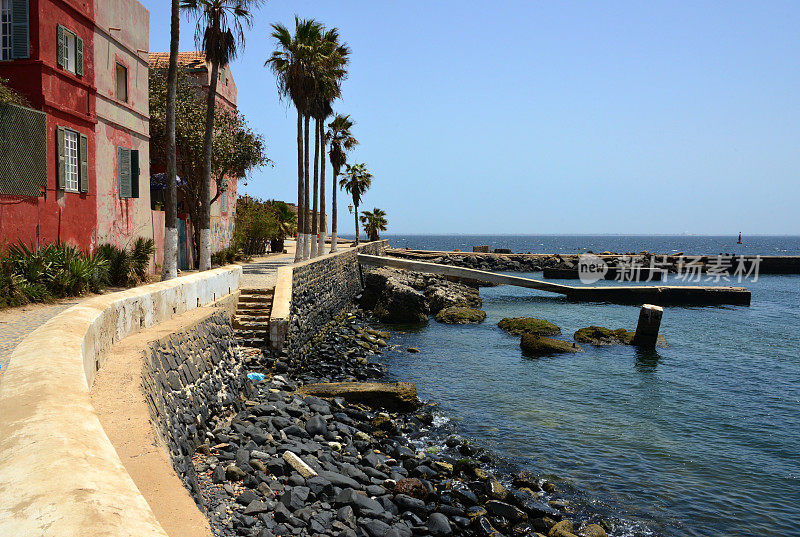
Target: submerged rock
(534,345)
(460,315)
(528,325)
(601,336)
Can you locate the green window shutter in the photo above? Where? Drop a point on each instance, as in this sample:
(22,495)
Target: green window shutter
(60,38)
(62,161)
(78,56)
(20,42)
(83,155)
(124,171)
(134,173)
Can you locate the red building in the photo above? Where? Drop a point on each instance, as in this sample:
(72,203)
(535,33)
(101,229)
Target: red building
(71,164)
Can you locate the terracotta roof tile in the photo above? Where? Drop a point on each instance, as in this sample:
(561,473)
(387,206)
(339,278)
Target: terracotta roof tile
(188,59)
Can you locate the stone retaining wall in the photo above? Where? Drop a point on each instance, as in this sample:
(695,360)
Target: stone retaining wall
(319,290)
(188,376)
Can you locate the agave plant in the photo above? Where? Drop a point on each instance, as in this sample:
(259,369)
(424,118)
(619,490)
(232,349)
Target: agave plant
(143,249)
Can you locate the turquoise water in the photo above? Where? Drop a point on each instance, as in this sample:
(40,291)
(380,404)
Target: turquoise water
(701,438)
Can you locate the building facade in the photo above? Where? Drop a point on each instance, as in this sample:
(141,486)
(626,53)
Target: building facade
(223,210)
(82,67)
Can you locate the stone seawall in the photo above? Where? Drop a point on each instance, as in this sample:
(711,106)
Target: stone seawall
(189,376)
(321,289)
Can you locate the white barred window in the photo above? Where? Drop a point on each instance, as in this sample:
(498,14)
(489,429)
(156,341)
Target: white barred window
(71,161)
(69,51)
(5,29)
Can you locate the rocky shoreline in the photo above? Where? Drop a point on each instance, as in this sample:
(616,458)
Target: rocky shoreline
(292,464)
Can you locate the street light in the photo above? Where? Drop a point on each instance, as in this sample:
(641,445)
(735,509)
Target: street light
(350,208)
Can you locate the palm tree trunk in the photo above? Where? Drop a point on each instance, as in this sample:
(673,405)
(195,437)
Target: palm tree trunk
(306,219)
(321,248)
(356,216)
(298,253)
(169,266)
(334,238)
(314,213)
(208,139)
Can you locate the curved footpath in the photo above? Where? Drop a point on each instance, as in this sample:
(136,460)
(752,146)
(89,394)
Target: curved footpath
(59,473)
(17,323)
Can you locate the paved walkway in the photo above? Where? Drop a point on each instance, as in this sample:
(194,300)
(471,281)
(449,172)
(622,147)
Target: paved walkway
(17,323)
(262,272)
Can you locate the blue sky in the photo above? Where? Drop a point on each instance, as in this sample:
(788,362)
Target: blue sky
(550,117)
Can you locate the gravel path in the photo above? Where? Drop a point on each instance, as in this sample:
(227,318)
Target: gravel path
(16,323)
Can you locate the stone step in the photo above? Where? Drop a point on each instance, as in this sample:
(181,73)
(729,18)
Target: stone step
(255,306)
(256,292)
(252,318)
(255,298)
(250,325)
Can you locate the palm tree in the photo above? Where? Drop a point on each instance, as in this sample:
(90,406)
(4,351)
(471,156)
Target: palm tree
(341,140)
(220,35)
(331,74)
(293,63)
(356,181)
(169,269)
(327,61)
(373,222)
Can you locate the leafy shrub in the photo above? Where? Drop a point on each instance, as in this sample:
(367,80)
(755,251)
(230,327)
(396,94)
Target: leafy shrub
(127,267)
(42,273)
(119,264)
(226,255)
(143,249)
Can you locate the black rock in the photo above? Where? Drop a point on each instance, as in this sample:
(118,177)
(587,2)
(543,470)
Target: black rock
(295,498)
(316,425)
(407,503)
(257,506)
(218,475)
(246,497)
(439,525)
(505,510)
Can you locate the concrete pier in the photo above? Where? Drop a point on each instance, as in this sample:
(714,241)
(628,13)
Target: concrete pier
(617,294)
(648,326)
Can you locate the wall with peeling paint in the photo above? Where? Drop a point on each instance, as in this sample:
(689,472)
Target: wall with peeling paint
(121,37)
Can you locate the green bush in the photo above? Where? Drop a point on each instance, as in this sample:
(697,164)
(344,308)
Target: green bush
(42,273)
(226,256)
(127,267)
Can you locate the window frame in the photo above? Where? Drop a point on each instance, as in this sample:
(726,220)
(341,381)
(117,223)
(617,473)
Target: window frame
(6,31)
(70,52)
(72,165)
(124,68)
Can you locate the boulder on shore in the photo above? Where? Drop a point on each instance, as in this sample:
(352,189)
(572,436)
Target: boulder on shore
(533,345)
(395,396)
(528,325)
(402,297)
(460,315)
(601,336)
